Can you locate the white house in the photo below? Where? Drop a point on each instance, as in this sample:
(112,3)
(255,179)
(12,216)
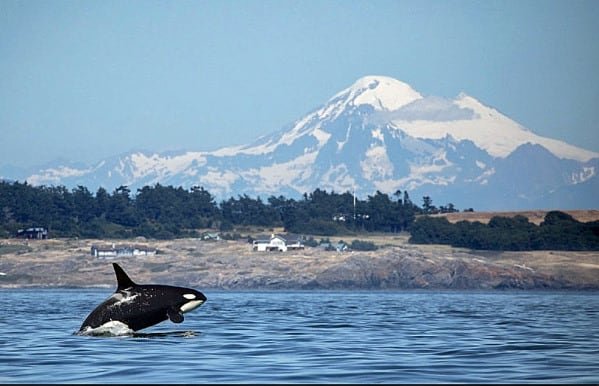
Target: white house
(277,242)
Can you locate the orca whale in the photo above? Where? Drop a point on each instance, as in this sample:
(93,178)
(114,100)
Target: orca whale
(138,306)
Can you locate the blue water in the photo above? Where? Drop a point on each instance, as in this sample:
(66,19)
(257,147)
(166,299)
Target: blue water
(311,337)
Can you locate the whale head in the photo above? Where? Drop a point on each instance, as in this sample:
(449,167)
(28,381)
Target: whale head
(190,299)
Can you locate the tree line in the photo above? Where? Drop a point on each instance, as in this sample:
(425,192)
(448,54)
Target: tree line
(166,212)
(557,231)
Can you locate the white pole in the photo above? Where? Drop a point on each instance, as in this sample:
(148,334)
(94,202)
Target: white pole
(354,187)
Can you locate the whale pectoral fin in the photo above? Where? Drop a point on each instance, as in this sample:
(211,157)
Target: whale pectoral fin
(174,315)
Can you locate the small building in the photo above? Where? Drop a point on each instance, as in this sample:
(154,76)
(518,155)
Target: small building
(210,236)
(292,241)
(339,247)
(277,242)
(34,233)
(113,251)
(261,244)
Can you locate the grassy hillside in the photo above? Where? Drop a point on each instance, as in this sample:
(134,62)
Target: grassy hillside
(534,216)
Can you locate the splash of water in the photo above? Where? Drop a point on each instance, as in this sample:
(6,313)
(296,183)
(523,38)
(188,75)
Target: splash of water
(112,328)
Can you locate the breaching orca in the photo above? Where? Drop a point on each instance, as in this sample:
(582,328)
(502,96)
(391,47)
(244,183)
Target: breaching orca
(139,306)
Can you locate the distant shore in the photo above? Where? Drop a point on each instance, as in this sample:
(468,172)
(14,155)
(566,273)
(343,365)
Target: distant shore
(233,265)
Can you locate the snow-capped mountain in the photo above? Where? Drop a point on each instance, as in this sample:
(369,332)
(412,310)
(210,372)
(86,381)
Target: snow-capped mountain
(377,134)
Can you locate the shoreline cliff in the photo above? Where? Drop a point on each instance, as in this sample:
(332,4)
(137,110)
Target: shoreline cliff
(68,263)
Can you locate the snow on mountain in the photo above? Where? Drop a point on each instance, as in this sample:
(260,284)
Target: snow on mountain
(485,126)
(381,92)
(139,165)
(377,134)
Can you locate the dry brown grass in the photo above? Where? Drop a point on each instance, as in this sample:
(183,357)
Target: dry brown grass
(534,216)
(67,262)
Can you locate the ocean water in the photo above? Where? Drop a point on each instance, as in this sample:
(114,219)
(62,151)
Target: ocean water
(310,337)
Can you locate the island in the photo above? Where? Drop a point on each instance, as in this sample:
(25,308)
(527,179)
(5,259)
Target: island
(234,265)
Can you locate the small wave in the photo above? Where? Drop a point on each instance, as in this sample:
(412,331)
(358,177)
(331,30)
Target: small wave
(118,329)
(182,334)
(112,328)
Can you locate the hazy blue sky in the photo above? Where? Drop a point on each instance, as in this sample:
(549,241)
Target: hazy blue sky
(90,79)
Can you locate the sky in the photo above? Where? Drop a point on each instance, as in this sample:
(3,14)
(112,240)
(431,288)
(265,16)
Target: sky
(86,80)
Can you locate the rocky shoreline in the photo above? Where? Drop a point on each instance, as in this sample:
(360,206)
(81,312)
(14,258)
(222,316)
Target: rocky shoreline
(232,265)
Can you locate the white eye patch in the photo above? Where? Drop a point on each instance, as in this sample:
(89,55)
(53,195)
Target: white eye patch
(189,296)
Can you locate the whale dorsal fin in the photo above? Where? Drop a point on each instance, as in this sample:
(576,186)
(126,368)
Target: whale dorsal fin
(123,281)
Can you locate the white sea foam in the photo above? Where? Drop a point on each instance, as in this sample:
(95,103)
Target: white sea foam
(112,328)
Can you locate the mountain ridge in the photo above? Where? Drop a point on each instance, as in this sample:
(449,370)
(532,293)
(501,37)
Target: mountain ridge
(377,134)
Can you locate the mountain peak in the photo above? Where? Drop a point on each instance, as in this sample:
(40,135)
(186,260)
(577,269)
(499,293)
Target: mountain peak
(382,92)
(378,134)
